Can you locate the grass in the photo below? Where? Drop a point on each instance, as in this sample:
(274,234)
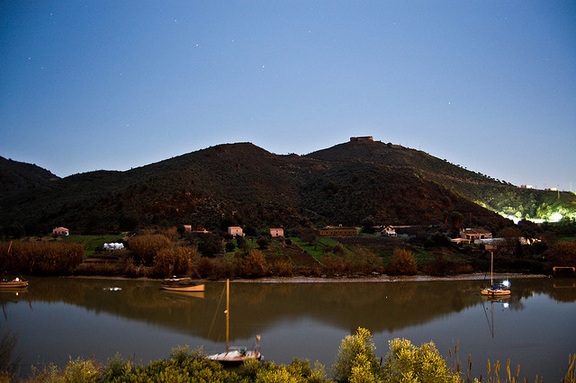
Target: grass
(316,249)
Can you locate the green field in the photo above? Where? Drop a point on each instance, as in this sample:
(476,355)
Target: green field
(93,242)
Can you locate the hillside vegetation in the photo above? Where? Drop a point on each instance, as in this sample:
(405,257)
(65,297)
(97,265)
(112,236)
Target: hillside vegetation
(246,185)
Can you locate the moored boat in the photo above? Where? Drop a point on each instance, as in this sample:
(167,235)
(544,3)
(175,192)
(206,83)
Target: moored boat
(498,289)
(15,283)
(235,355)
(181,284)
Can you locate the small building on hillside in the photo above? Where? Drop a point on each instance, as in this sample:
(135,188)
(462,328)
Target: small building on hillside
(472,234)
(337,231)
(362,138)
(235,231)
(276,232)
(459,241)
(60,232)
(389,231)
(189,229)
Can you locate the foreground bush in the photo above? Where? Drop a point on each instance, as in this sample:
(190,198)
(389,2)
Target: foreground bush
(406,362)
(182,366)
(357,360)
(356,363)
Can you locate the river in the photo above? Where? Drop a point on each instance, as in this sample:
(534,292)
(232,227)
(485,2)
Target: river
(56,319)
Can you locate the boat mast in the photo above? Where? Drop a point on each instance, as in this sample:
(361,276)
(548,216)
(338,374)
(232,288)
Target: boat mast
(227,312)
(491,268)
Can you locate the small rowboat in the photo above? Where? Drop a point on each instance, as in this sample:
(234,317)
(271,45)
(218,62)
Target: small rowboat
(16,283)
(181,284)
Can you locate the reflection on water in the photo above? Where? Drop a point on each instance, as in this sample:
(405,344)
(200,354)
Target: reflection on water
(491,304)
(295,320)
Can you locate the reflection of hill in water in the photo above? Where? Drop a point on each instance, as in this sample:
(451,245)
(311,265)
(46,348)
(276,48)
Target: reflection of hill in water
(377,306)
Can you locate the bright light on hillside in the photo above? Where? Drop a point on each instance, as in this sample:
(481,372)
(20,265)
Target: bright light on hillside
(555,217)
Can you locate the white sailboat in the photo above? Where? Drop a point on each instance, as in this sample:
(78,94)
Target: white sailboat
(498,289)
(235,355)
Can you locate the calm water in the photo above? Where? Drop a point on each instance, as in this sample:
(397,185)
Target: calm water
(59,318)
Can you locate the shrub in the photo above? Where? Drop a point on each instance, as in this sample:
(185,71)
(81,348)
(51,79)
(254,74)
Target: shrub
(145,247)
(302,368)
(335,265)
(44,258)
(562,254)
(232,265)
(407,362)
(163,262)
(403,262)
(437,240)
(81,371)
(175,261)
(356,358)
(299,371)
(263,243)
(104,268)
(230,246)
(365,261)
(210,245)
(249,369)
(116,369)
(135,271)
(255,264)
(283,268)
(279,374)
(205,267)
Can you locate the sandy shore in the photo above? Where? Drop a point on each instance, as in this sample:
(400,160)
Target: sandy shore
(388,278)
(347,279)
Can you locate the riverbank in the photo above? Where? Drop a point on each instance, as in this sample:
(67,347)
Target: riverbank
(388,278)
(381,278)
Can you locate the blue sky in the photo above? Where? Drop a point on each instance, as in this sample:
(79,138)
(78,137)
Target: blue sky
(488,85)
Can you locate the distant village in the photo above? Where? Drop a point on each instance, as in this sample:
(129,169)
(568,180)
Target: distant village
(476,236)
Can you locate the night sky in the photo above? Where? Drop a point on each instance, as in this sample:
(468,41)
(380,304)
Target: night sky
(488,85)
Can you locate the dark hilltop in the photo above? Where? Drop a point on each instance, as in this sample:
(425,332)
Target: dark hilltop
(347,184)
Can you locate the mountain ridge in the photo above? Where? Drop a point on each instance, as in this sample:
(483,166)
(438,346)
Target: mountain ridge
(243,184)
